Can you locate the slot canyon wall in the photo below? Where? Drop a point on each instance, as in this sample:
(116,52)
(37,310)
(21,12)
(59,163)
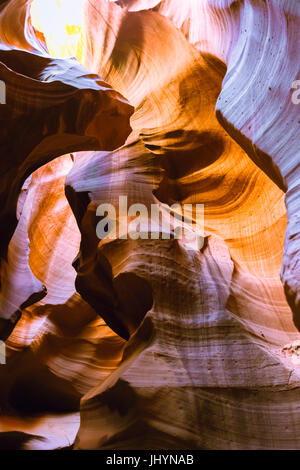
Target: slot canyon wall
(134,343)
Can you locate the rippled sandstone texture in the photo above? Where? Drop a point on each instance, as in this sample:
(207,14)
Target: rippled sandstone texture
(154,345)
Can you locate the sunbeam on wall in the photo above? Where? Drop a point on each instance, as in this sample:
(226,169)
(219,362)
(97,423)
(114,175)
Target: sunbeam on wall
(60,21)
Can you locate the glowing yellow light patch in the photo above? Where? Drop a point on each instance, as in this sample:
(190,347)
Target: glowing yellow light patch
(73,29)
(61,23)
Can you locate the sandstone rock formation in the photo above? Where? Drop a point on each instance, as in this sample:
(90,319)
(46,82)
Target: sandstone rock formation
(154,345)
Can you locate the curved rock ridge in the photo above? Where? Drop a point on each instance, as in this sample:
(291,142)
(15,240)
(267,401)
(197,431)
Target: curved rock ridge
(131,409)
(56,107)
(210,25)
(156,345)
(256,104)
(256,99)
